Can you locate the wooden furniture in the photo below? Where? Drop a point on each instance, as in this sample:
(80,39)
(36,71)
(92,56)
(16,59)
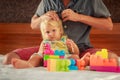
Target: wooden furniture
(20,35)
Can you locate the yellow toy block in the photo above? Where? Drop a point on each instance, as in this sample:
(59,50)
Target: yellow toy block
(103,53)
(51,65)
(58,65)
(53,57)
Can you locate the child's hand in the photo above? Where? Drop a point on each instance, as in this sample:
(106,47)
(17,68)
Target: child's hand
(42,47)
(73,56)
(73,48)
(70,45)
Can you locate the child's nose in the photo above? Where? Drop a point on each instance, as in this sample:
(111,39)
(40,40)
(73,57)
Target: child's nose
(51,34)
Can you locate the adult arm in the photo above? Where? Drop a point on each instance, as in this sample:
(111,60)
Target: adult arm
(36,20)
(100,23)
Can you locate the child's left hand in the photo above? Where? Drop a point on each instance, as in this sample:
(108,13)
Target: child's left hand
(73,56)
(70,45)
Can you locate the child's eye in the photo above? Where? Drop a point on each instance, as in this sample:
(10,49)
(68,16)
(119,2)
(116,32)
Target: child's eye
(48,32)
(53,30)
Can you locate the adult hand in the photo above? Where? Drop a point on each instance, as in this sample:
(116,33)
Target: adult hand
(69,14)
(51,15)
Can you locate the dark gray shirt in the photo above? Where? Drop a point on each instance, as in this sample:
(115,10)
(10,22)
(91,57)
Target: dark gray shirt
(76,31)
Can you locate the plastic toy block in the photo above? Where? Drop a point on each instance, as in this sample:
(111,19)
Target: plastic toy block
(103,53)
(96,60)
(73,68)
(58,65)
(56,45)
(99,61)
(49,52)
(48,49)
(54,57)
(118,69)
(46,57)
(63,65)
(47,45)
(45,63)
(80,64)
(62,57)
(73,62)
(109,62)
(106,65)
(73,65)
(105,68)
(51,65)
(54,50)
(59,52)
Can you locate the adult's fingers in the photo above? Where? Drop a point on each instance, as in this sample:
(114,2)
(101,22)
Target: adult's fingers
(53,15)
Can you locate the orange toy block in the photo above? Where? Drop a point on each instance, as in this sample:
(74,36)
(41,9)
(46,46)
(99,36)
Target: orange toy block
(80,64)
(109,62)
(51,66)
(96,60)
(99,61)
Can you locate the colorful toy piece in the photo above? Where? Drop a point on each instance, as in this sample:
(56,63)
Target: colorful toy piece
(54,50)
(61,65)
(101,59)
(103,53)
(54,58)
(58,65)
(81,64)
(73,65)
(102,63)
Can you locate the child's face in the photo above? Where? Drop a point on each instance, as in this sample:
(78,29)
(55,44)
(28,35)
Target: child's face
(52,33)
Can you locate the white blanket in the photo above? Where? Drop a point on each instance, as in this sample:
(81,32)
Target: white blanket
(7,72)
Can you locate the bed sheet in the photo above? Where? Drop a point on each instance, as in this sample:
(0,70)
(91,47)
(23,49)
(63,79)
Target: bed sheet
(7,72)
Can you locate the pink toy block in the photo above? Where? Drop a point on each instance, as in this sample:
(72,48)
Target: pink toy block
(61,57)
(118,69)
(105,68)
(45,63)
(49,52)
(47,45)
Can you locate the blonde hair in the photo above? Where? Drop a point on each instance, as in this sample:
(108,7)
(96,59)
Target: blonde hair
(47,23)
